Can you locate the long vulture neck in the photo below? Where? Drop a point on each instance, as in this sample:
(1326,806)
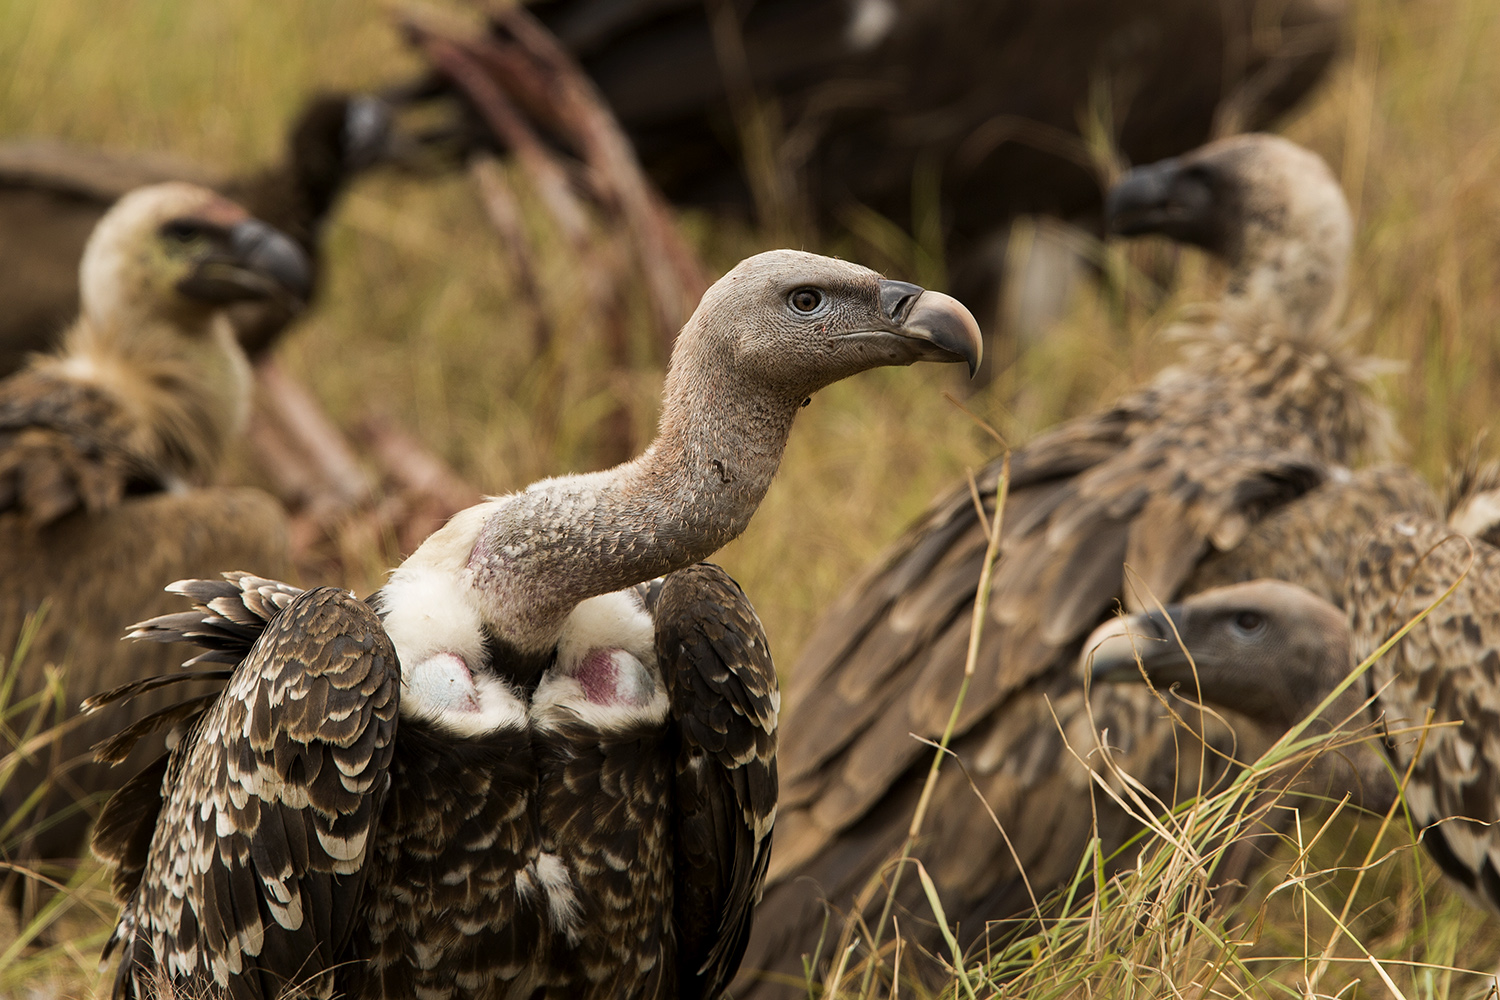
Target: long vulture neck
(695,489)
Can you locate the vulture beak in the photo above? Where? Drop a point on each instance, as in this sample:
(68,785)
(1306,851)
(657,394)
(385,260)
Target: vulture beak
(1170,197)
(250,261)
(369,136)
(1122,646)
(932,326)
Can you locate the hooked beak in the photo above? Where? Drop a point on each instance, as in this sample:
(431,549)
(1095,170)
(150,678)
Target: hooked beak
(1120,648)
(932,326)
(1173,198)
(255,261)
(369,135)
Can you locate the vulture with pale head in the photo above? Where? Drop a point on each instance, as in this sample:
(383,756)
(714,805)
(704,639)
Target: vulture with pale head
(541,760)
(53,194)
(1275,651)
(1268,400)
(106,447)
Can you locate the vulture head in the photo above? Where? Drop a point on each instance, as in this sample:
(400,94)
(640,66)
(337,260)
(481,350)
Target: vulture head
(336,137)
(1270,209)
(765,337)
(1268,649)
(783,324)
(178,252)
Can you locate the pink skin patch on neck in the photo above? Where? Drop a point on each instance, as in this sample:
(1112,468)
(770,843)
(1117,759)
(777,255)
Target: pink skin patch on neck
(443,682)
(599,676)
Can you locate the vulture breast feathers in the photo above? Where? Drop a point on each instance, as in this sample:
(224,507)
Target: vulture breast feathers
(106,447)
(523,768)
(52,195)
(1111,508)
(1276,650)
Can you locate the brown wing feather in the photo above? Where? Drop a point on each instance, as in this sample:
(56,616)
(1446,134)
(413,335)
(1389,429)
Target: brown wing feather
(1450,664)
(256,863)
(717,662)
(64,446)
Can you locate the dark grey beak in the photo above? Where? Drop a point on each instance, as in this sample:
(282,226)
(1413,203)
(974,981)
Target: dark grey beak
(369,136)
(1118,649)
(1171,198)
(259,262)
(939,325)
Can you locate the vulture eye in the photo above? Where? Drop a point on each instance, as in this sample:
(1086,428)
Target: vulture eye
(182,230)
(1249,622)
(806,300)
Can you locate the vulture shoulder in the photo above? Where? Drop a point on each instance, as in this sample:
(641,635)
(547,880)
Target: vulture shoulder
(724,703)
(1310,542)
(1449,663)
(66,445)
(282,789)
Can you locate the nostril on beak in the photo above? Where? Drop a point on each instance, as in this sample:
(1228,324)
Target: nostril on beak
(896,298)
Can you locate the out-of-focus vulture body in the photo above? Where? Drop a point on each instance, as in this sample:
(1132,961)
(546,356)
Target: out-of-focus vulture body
(522,770)
(104,446)
(52,195)
(1268,401)
(860,99)
(1276,651)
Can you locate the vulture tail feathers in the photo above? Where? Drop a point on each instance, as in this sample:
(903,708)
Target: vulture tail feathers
(122,837)
(230,615)
(135,688)
(118,747)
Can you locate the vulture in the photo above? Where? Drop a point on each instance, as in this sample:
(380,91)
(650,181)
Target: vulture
(1267,405)
(848,106)
(1274,650)
(53,194)
(105,447)
(541,760)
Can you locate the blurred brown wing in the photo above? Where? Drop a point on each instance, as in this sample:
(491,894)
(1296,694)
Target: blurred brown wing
(256,867)
(1067,541)
(1449,663)
(717,664)
(65,445)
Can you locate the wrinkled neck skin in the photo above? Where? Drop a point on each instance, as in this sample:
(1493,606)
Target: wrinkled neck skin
(564,540)
(183,379)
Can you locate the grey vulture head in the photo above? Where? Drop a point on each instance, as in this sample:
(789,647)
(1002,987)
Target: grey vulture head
(1269,649)
(1270,209)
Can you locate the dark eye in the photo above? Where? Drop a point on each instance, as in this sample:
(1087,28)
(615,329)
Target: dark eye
(1249,622)
(182,230)
(806,300)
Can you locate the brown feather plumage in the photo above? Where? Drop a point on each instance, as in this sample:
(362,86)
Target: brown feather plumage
(666,829)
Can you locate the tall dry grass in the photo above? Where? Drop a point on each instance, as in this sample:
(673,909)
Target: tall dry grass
(419,319)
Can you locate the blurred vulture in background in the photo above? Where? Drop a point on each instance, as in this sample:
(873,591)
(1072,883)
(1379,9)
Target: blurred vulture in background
(818,108)
(105,447)
(53,194)
(1268,402)
(526,768)
(1275,651)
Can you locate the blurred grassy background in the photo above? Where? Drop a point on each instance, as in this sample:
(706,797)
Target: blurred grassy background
(419,318)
